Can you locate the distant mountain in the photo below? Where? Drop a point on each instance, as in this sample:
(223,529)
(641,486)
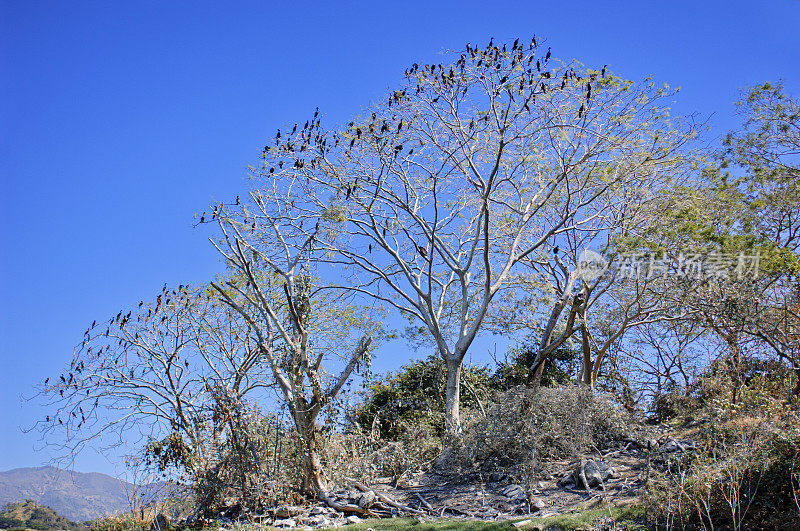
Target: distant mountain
(75,495)
(31,515)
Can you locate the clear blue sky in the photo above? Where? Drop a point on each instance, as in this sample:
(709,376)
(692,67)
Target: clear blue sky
(119,120)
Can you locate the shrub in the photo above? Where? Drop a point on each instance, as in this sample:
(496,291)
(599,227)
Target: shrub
(741,476)
(557,423)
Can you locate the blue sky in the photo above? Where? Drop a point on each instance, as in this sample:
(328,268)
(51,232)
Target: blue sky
(119,120)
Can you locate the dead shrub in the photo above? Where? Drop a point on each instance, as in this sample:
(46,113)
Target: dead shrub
(560,423)
(361,455)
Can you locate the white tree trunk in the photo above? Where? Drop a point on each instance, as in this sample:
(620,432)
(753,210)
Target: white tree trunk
(452,398)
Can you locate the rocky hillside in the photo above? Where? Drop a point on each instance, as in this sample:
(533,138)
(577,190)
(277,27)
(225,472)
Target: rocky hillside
(75,495)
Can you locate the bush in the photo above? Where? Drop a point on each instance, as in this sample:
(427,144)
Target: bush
(742,476)
(363,456)
(555,423)
(253,465)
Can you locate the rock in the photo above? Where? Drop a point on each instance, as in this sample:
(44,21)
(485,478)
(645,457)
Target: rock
(677,445)
(366,500)
(318,520)
(536,504)
(514,492)
(286,511)
(566,480)
(522,523)
(597,472)
(160,523)
(288,522)
(353,519)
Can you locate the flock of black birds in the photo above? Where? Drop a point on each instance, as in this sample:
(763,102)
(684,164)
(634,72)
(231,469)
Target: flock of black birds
(433,80)
(71,380)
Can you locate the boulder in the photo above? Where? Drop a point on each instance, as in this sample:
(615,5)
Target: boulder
(536,504)
(353,519)
(597,472)
(288,522)
(160,522)
(366,500)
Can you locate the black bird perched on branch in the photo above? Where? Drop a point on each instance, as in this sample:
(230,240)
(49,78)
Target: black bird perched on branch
(547,57)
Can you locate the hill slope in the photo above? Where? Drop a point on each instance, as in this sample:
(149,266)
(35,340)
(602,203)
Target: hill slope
(30,515)
(75,495)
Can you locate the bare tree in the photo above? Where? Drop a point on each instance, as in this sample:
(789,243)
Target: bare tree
(431,199)
(299,327)
(146,374)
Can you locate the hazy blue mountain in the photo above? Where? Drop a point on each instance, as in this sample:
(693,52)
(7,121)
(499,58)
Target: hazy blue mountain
(75,495)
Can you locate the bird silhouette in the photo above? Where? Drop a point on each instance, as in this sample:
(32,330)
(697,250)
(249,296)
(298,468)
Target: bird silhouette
(547,57)
(555,249)
(46,380)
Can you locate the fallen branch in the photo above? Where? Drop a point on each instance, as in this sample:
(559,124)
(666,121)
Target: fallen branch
(343,507)
(382,497)
(424,501)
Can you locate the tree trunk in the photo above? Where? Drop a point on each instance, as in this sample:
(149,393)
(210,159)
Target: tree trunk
(314,480)
(534,380)
(587,373)
(452,398)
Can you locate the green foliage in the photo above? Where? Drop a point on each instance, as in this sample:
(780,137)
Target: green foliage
(416,394)
(559,369)
(170,452)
